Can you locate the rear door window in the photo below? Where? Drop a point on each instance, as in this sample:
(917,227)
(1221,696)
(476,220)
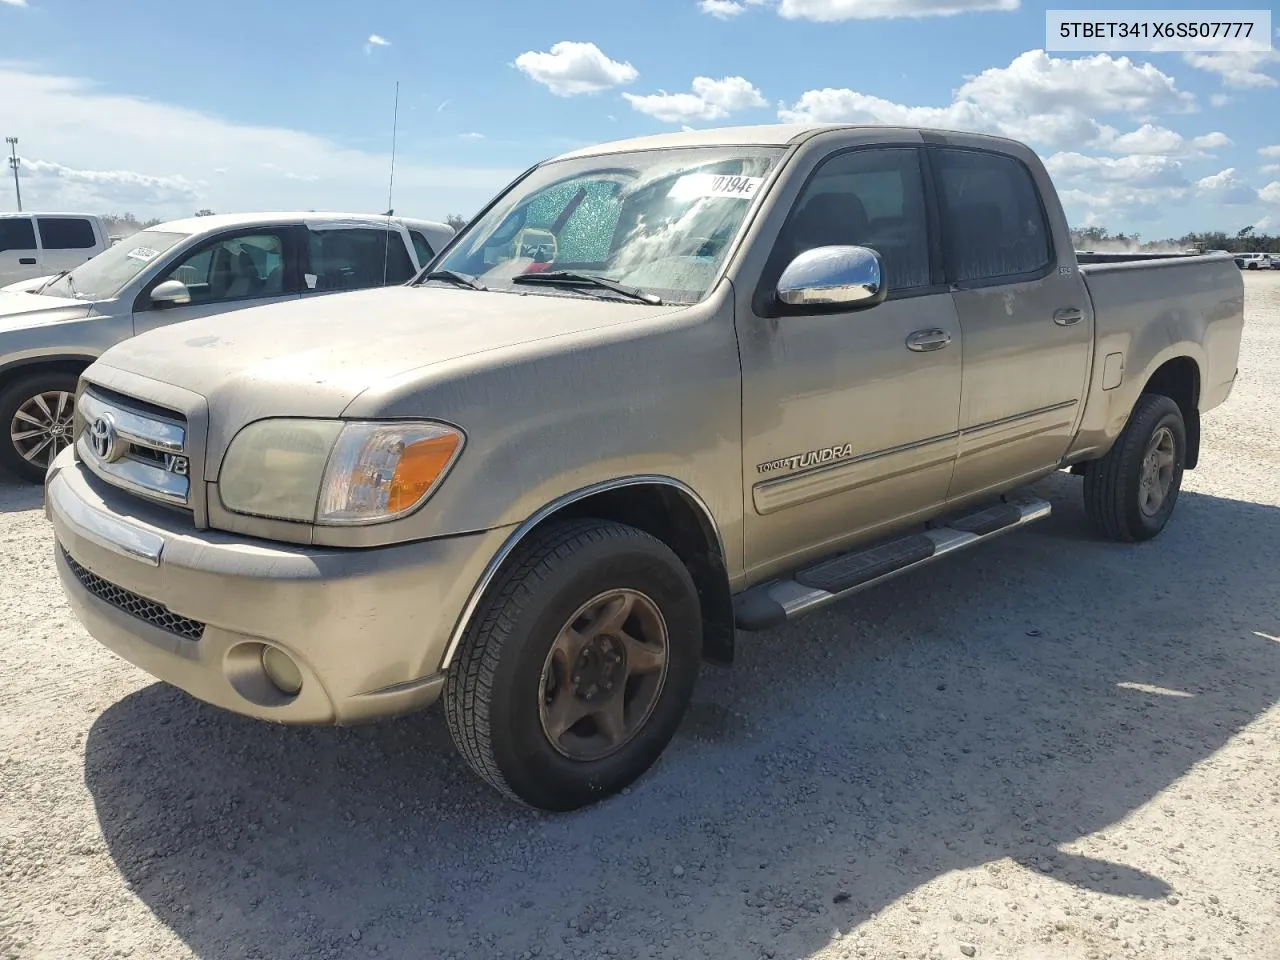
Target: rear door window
(422,247)
(994,227)
(355,259)
(66,233)
(17,233)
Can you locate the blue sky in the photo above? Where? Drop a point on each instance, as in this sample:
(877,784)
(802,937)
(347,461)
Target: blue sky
(133,106)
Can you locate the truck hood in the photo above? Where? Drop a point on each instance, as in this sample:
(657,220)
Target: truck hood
(21,310)
(313,357)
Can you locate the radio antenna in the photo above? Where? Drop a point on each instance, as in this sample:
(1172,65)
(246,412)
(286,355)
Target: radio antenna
(395,120)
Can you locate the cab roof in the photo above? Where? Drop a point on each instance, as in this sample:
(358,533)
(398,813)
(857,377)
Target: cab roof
(764,135)
(225,221)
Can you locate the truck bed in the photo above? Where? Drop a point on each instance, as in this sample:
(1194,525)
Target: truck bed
(1149,307)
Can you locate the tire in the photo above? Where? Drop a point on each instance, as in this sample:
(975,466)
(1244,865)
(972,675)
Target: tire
(23,456)
(506,691)
(1114,492)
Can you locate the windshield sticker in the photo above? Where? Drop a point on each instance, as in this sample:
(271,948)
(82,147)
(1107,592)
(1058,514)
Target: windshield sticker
(143,253)
(694,186)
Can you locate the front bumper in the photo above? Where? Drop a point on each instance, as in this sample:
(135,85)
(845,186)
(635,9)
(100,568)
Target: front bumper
(367,629)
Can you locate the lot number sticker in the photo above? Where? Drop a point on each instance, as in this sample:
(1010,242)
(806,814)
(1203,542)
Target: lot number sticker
(694,186)
(143,253)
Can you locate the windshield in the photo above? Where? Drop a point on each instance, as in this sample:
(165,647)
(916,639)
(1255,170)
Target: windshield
(110,271)
(660,221)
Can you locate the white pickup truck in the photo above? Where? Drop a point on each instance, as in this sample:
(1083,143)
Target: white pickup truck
(52,327)
(35,244)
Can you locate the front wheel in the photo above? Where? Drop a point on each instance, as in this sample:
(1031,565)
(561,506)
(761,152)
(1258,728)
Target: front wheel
(1130,493)
(575,673)
(37,412)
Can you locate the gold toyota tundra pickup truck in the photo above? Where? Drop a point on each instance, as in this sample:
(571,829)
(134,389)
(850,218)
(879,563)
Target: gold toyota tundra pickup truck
(656,393)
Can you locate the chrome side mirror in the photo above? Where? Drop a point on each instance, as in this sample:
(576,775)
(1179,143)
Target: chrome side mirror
(171,293)
(840,277)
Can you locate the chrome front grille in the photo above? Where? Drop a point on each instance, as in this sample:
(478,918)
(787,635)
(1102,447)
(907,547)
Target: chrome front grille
(131,603)
(136,446)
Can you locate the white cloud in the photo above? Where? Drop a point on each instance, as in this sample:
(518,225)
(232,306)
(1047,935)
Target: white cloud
(1269,168)
(570,68)
(1266,224)
(1147,140)
(710,100)
(471,136)
(15,3)
(1097,84)
(1270,193)
(1242,69)
(169,163)
(1220,99)
(726,9)
(123,186)
(1134,171)
(1133,188)
(375,41)
(1272,151)
(1038,98)
(1212,141)
(1152,140)
(830,10)
(832,105)
(1227,187)
(1102,203)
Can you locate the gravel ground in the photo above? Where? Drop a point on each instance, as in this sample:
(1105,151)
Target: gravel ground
(1057,747)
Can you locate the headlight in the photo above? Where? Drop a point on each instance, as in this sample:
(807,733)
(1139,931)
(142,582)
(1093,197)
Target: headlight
(335,472)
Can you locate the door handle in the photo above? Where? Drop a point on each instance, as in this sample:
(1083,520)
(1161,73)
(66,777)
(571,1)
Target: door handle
(1068,316)
(923,341)
(27,261)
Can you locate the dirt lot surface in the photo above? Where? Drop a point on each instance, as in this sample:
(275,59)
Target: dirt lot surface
(1053,748)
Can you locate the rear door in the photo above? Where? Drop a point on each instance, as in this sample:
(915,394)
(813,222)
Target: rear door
(231,271)
(19,253)
(1027,321)
(339,257)
(66,242)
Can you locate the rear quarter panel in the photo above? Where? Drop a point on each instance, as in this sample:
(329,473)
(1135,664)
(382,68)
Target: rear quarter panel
(1149,312)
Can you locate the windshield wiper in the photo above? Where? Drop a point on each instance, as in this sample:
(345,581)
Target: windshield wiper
(52,280)
(453,276)
(572,278)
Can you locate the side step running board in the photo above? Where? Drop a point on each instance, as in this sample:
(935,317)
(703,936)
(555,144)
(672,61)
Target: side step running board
(773,603)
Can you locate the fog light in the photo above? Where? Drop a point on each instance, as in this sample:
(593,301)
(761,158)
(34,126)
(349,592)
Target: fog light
(281,670)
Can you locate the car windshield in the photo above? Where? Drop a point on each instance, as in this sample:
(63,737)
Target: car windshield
(659,221)
(104,276)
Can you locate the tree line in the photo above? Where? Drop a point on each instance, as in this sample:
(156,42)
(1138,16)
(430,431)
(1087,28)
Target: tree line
(1245,240)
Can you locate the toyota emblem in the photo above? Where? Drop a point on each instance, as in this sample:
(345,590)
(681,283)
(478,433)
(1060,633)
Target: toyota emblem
(103,438)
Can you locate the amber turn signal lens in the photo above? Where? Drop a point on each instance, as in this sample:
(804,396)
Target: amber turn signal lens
(421,463)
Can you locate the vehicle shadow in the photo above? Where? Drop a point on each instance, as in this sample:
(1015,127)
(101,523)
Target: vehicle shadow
(990,711)
(17,496)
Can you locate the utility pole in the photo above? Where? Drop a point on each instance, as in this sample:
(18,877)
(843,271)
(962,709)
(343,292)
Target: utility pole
(13,162)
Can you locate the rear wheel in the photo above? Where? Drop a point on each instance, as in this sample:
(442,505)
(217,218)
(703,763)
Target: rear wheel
(578,666)
(37,412)
(1130,493)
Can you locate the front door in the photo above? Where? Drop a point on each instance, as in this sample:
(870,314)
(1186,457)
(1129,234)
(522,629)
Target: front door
(846,428)
(247,268)
(1028,326)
